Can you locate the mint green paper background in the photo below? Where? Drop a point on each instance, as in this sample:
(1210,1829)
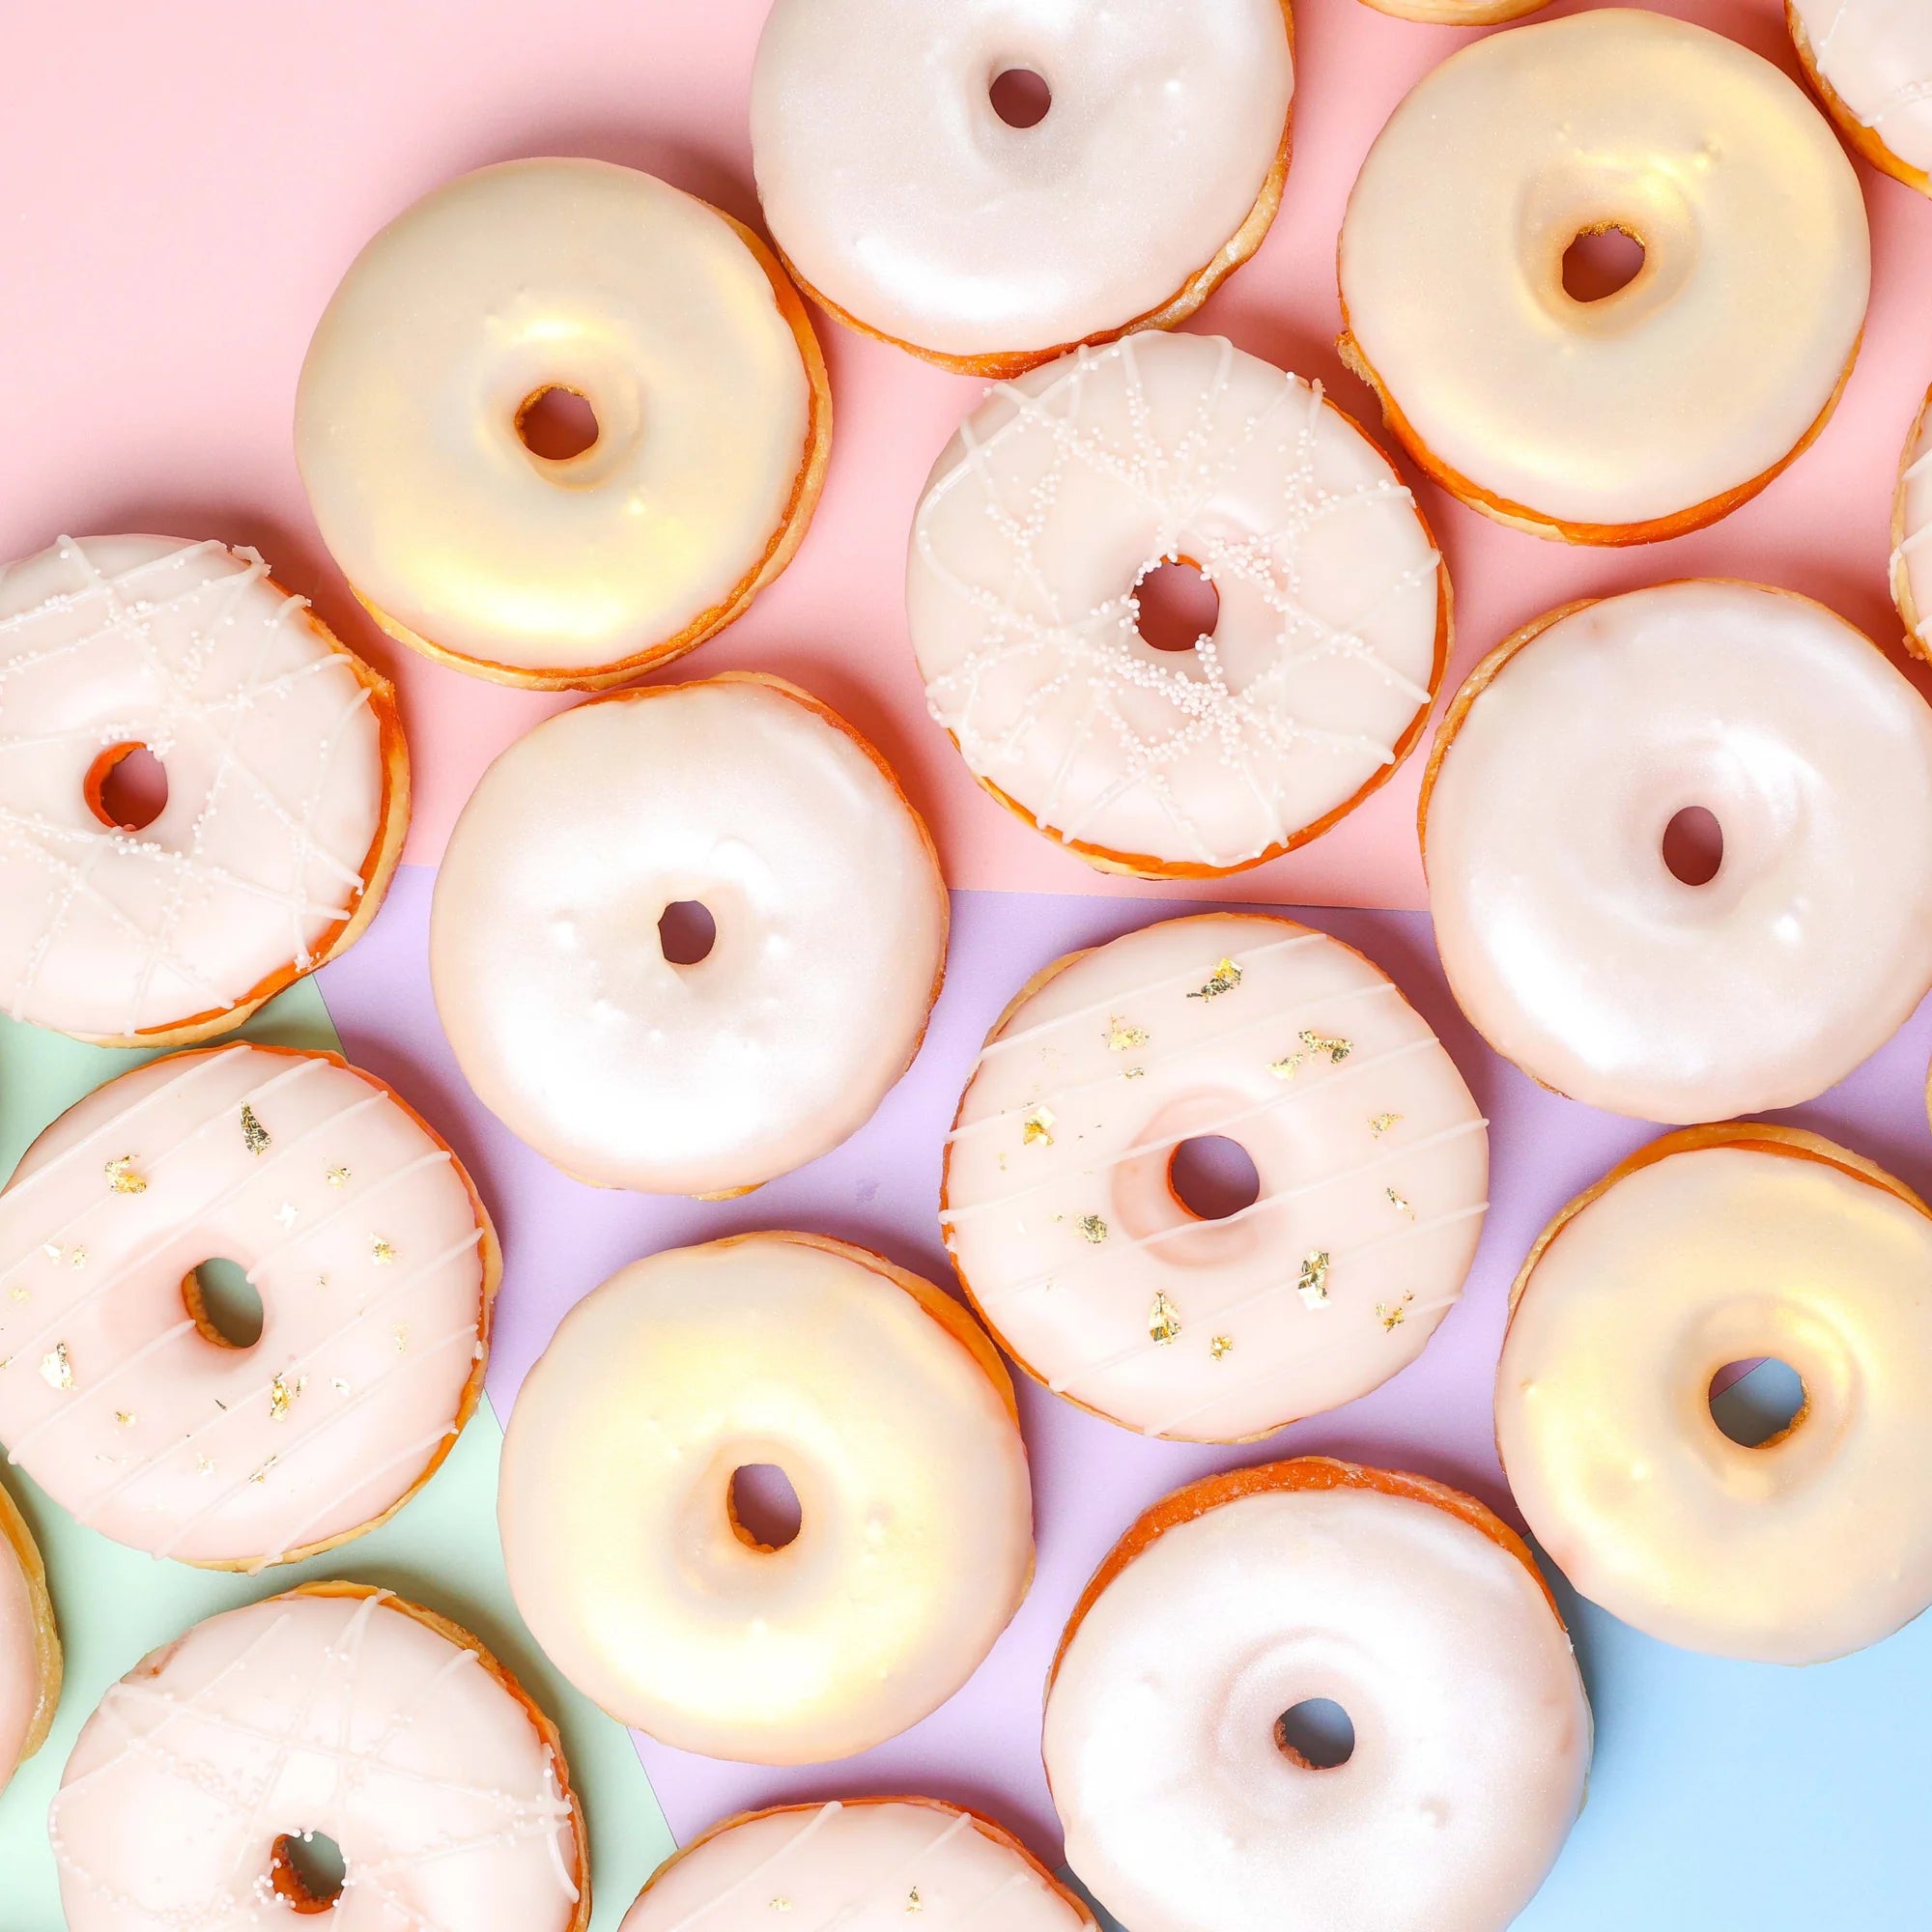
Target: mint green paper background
(115,1604)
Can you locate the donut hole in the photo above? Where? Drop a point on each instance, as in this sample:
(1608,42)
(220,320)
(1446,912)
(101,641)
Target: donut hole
(1316,1734)
(1212,1176)
(687,932)
(1693,846)
(221,1302)
(1757,1403)
(764,1507)
(1175,607)
(1600,262)
(557,424)
(307,1871)
(127,788)
(1020,96)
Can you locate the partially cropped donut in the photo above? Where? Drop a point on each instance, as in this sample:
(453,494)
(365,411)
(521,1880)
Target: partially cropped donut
(1139,160)
(1039,523)
(1062,1216)
(1716,1245)
(892,1416)
(1666,404)
(375,1263)
(1170,1737)
(1912,535)
(710,410)
(1871,63)
(1566,936)
(287,789)
(30,1651)
(1457,13)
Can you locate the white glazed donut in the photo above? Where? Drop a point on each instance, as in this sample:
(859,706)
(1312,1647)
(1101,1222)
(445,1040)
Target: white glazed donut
(862,1865)
(670,320)
(1565,936)
(30,1652)
(1186,1806)
(1669,403)
(1060,492)
(335,1709)
(890,1415)
(1871,63)
(1912,535)
(909,207)
(1710,1247)
(287,789)
(374,1259)
(1067,1233)
(751,798)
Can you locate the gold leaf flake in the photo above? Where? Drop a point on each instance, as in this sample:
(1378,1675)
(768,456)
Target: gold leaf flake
(1332,1046)
(1392,1313)
(1133,1072)
(203,1466)
(21,1293)
(1380,1124)
(1399,1204)
(1220,1346)
(401,1332)
(122,1178)
(1163,1319)
(254,1135)
(913,1902)
(339,1383)
(338,1177)
(124,1417)
(381,1252)
(282,1394)
(56,1370)
(1123,1037)
(1224,979)
(321,1281)
(260,1475)
(781,1905)
(1038,1127)
(1094,1228)
(1287,1068)
(1313,1286)
(78,1258)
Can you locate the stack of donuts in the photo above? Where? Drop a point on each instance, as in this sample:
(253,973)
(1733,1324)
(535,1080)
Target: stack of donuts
(914,190)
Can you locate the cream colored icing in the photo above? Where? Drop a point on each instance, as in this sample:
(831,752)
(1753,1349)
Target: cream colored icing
(1792,1552)
(540,274)
(342,1716)
(1572,947)
(858,1867)
(1912,528)
(274,768)
(896,190)
(1371,1158)
(1062,489)
(1472,1734)
(19,1659)
(916,1539)
(624,1069)
(356,1228)
(1876,55)
(1694,380)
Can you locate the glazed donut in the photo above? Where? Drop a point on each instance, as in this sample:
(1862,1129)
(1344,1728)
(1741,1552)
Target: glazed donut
(1458,13)
(1666,405)
(376,1266)
(337,1709)
(747,796)
(1911,536)
(1871,63)
(1187,1807)
(30,1652)
(1712,1245)
(906,202)
(1058,495)
(854,1865)
(891,1414)
(287,789)
(1068,1235)
(712,410)
(1565,936)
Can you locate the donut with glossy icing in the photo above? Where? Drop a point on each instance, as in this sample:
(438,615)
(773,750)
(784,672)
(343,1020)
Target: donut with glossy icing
(1666,405)
(1458,13)
(672,321)
(1712,1245)
(892,1416)
(743,794)
(30,1651)
(861,1865)
(1565,936)
(337,1710)
(1872,63)
(1185,1805)
(1912,535)
(374,1259)
(287,789)
(1061,1217)
(907,205)
(1040,521)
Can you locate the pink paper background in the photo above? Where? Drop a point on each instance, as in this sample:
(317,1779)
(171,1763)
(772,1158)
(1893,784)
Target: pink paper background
(182,186)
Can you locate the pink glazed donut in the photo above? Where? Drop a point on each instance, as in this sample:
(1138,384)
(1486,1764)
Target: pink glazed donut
(30,1652)
(376,1266)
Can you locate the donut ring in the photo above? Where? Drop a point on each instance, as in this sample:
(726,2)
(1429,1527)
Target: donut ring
(1911,571)
(30,1649)
(840,1860)
(1743,322)
(476,1825)
(1711,1245)
(377,1268)
(1871,65)
(906,205)
(893,1416)
(1563,934)
(275,846)
(1185,1805)
(672,321)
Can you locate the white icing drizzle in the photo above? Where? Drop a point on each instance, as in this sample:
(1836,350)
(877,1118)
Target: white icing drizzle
(1062,491)
(1876,55)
